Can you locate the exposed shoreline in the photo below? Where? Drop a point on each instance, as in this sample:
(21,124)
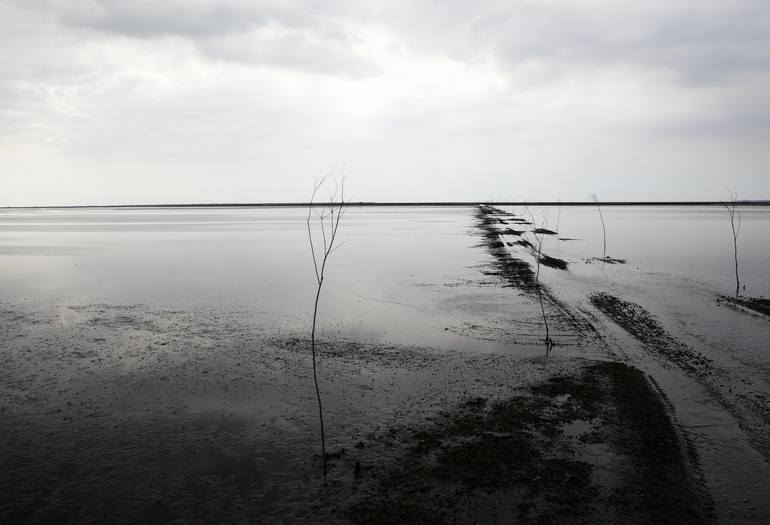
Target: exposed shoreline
(133,413)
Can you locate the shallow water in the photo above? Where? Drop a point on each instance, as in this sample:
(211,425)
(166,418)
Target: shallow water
(258,258)
(407,275)
(686,242)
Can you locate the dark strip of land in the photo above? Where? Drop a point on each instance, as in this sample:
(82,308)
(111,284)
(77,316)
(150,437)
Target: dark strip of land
(419,203)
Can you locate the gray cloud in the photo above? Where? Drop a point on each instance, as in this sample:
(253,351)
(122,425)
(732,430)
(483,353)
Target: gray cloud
(277,34)
(701,41)
(416,97)
(191,18)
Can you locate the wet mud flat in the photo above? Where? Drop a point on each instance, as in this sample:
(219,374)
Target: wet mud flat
(129,414)
(741,399)
(134,414)
(754,304)
(595,445)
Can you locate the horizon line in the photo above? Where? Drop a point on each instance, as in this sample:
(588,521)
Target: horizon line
(742,202)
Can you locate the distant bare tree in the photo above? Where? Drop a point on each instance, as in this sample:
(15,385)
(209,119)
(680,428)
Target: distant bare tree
(549,343)
(735,223)
(328,221)
(595,198)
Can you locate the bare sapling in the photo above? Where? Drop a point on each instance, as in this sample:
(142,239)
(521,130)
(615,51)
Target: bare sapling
(595,199)
(735,223)
(328,218)
(549,343)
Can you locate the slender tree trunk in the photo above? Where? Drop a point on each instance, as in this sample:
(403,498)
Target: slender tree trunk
(542,307)
(539,241)
(595,198)
(604,231)
(733,210)
(735,255)
(315,377)
(333,211)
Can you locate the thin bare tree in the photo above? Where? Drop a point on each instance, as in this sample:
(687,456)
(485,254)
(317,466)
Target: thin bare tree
(595,198)
(735,223)
(549,343)
(328,217)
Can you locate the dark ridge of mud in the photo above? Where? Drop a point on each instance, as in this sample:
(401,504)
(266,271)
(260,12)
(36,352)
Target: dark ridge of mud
(512,271)
(553,262)
(567,239)
(530,459)
(544,231)
(608,260)
(511,231)
(492,209)
(517,273)
(638,322)
(756,304)
(670,460)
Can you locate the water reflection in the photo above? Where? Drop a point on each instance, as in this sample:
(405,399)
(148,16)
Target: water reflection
(401,273)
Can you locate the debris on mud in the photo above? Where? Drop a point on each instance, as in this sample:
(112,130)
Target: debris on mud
(642,325)
(544,231)
(608,259)
(593,446)
(553,262)
(755,304)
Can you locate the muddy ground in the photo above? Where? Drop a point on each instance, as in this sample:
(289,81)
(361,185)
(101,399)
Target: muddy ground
(125,415)
(132,414)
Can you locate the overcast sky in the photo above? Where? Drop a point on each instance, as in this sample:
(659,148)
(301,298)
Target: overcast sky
(174,101)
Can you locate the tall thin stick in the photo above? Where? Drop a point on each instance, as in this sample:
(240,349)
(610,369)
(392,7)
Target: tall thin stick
(734,212)
(595,198)
(332,211)
(549,343)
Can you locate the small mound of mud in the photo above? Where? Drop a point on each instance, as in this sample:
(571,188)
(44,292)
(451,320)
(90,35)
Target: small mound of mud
(526,459)
(553,262)
(638,322)
(756,304)
(544,231)
(486,208)
(608,259)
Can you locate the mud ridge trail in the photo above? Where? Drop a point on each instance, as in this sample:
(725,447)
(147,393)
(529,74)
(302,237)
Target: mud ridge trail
(753,417)
(639,323)
(518,273)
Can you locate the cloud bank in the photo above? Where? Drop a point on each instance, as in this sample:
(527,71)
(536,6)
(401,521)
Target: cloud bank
(105,101)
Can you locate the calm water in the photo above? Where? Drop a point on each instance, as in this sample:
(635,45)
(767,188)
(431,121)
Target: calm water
(398,271)
(688,242)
